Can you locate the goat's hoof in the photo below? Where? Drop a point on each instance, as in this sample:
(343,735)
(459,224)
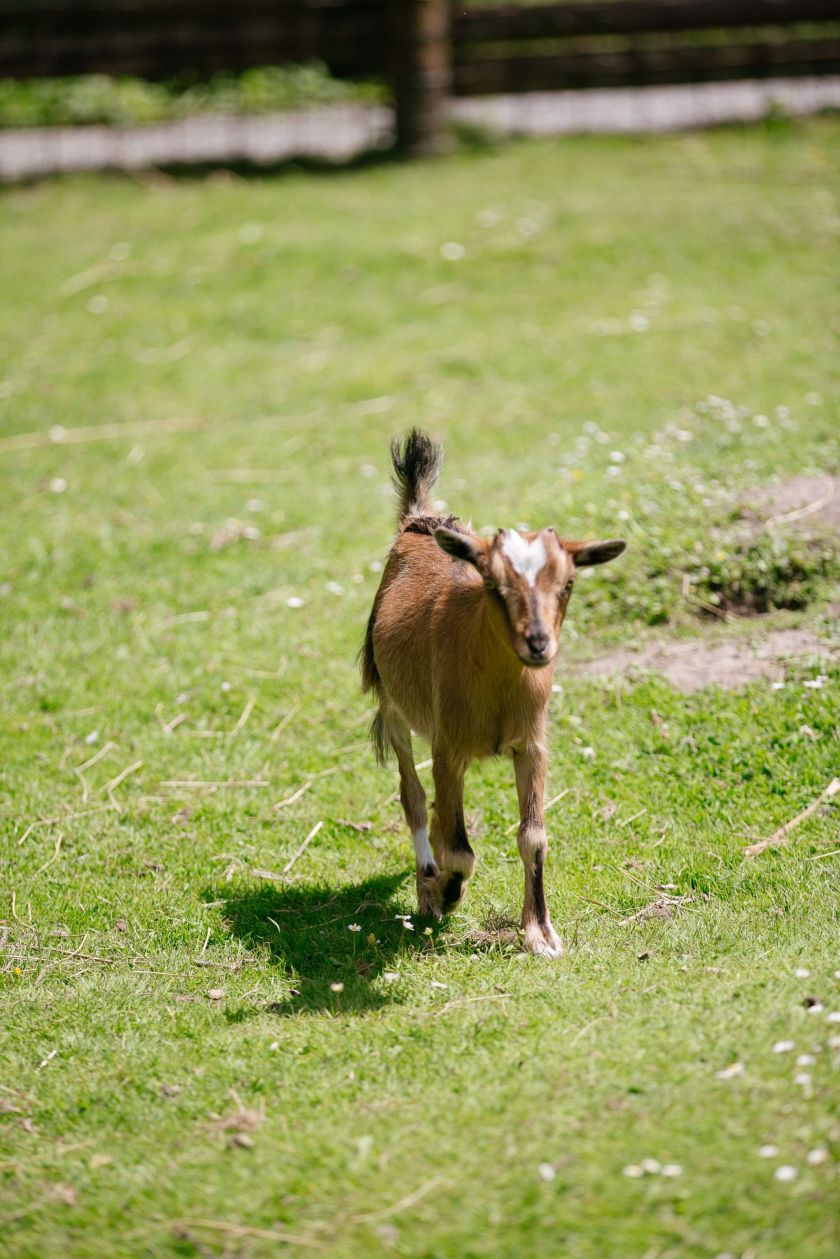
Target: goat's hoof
(542,941)
(429,897)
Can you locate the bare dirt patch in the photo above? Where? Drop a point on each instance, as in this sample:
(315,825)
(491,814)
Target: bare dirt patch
(690,665)
(804,502)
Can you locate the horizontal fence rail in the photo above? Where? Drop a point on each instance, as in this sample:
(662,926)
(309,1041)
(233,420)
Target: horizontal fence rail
(156,40)
(631,17)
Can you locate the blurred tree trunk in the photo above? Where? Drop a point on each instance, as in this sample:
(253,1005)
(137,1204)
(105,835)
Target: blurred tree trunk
(421,72)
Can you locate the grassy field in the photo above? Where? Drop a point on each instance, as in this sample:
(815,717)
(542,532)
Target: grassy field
(612,336)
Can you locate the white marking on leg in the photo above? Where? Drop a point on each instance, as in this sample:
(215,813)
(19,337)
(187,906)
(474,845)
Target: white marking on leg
(425,856)
(526,558)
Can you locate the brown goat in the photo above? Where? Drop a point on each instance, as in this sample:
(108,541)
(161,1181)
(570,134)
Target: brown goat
(460,647)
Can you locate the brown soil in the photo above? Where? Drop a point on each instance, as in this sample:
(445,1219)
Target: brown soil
(803,503)
(691,665)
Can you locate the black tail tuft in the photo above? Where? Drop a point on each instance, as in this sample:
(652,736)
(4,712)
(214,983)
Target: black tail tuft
(417,464)
(379,739)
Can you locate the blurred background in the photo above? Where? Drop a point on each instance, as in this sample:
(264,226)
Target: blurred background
(265,81)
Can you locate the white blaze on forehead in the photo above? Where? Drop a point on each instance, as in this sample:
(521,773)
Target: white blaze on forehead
(526,558)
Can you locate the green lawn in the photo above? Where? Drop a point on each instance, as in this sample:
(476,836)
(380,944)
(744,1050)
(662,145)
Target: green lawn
(609,335)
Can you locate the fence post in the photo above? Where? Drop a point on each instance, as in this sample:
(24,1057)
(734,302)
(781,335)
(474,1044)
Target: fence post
(421,72)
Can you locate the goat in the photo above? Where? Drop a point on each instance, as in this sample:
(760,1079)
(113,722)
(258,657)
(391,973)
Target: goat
(460,647)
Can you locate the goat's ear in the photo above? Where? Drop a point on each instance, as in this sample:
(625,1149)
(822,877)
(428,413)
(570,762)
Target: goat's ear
(458,545)
(587,553)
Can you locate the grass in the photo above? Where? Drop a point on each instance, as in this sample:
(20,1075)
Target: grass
(121,101)
(631,298)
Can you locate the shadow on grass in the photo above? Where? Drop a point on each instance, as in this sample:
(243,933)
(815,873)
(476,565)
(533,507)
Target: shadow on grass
(306,930)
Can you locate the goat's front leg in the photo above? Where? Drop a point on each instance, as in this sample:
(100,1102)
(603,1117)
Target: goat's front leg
(449,834)
(530,768)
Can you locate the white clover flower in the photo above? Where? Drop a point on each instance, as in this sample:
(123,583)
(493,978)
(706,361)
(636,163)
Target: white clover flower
(336,986)
(816,1008)
(651,1166)
(803,1078)
(588,754)
(294,601)
(785,1173)
(452,251)
(768,1151)
(633,1171)
(729,1073)
(783,1046)
(817,683)
(639,322)
(833,1017)
(408,926)
(390,976)
(817,1156)
(58,485)
(672,1169)
(546,1172)
(805,1060)
(334,588)
(354,926)
(801,973)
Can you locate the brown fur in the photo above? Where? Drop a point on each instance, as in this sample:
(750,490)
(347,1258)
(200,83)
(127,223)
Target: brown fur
(460,647)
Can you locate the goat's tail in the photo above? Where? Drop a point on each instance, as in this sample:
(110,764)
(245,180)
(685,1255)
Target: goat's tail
(417,464)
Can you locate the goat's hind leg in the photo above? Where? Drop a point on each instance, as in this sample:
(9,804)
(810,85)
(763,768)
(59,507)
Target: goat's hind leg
(413,799)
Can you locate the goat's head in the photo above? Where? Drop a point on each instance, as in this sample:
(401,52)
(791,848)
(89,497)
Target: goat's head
(528,578)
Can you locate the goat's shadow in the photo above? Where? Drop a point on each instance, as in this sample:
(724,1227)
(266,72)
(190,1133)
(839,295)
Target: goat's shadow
(306,930)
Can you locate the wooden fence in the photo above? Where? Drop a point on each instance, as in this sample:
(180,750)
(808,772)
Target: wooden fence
(429,49)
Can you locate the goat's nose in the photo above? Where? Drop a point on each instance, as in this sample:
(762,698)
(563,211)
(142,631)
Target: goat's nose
(537,643)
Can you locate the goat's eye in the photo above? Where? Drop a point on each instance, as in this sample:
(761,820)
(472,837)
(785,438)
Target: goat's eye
(488,584)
